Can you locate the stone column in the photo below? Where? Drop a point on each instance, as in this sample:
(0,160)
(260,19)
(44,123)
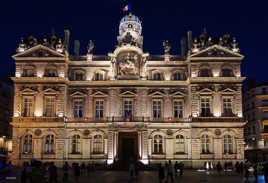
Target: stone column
(37,148)
(196,146)
(59,148)
(109,143)
(189,148)
(145,145)
(240,149)
(86,148)
(38,108)
(140,144)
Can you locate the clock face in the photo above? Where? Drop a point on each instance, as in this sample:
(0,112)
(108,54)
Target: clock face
(130,25)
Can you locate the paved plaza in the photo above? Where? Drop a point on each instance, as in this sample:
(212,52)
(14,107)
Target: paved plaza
(190,176)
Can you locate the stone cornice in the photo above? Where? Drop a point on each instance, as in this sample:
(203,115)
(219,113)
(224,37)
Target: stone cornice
(39,79)
(217,79)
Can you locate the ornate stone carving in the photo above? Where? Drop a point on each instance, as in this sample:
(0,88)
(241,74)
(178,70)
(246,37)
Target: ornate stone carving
(37,132)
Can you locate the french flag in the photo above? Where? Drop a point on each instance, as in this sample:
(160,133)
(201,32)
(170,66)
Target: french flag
(126,8)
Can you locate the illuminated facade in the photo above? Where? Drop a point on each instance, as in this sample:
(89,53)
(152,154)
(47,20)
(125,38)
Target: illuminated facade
(128,103)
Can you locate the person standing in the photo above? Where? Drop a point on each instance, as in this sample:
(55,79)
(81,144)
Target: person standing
(53,175)
(88,169)
(23,176)
(170,171)
(219,168)
(265,166)
(181,166)
(65,172)
(131,169)
(255,172)
(83,168)
(76,172)
(176,167)
(161,173)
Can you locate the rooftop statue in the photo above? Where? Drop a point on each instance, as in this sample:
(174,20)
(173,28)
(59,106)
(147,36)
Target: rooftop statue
(90,47)
(167,47)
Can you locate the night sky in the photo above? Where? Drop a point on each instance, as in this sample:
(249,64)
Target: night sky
(161,20)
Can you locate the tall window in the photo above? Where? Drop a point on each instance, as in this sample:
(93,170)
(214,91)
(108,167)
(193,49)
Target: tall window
(76,144)
(157,109)
(49,144)
(99,109)
(78,108)
(180,144)
(27,107)
(28,71)
(78,76)
(99,77)
(205,73)
(51,72)
(178,109)
(158,144)
(27,144)
(128,109)
(206,144)
(227,107)
(177,76)
(205,107)
(50,106)
(157,76)
(227,73)
(97,144)
(228,144)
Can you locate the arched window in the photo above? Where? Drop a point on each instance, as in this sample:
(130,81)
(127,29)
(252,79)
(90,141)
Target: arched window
(27,144)
(177,76)
(98,77)
(49,144)
(180,144)
(227,73)
(51,71)
(97,144)
(79,75)
(157,76)
(158,144)
(228,144)
(76,144)
(205,72)
(28,71)
(206,144)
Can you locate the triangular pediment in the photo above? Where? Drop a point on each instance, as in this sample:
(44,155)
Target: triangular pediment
(78,94)
(178,94)
(216,51)
(50,91)
(99,94)
(157,94)
(128,93)
(205,91)
(228,90)
(28,91)
(39,51)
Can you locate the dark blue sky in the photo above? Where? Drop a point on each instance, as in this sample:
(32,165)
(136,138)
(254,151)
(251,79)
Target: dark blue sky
(161,19)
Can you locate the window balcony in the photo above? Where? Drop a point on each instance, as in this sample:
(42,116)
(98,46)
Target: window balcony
(218,119)
(38,119)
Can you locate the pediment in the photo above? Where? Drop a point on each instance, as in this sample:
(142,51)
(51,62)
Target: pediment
(216,51)
(205,91)
(128,93)
(78,94)
(99,94)
(37,52)
(157,94)
(28,91)
(178,94)
(50,91)
(228,90)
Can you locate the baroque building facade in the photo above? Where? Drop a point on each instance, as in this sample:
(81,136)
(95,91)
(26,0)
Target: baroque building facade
(128,103)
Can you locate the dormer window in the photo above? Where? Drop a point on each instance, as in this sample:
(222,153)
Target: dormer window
(51,72)
(205,73)
(79,75)
(178,76)
(157,76)
(99,77)
(227,73)
(28,71)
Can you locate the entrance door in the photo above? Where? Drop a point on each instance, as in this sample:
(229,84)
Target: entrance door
(128,148)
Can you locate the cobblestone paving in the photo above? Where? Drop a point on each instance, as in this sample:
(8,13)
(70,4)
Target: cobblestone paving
(190,176)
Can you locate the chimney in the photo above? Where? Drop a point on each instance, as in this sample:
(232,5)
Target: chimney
(190,40)
(183,47)
(66,39)
(76,47)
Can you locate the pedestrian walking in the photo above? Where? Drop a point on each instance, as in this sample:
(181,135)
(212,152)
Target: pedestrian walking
(29,171)
(255,172)
(241,168)
(161,173)
(65,172)
(237,167)
(219,168)
(131,169)
(246,167)
(23,176)
(53,175)
(176,167)
(181,166)
(83,168)
(76,172)
(169,172)
(136,170)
